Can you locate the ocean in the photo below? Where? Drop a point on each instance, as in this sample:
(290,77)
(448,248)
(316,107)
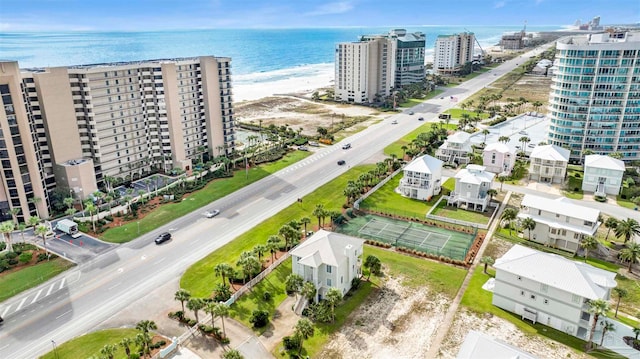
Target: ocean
(258,55)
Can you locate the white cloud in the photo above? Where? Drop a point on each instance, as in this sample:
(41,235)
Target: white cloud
(338,7)
(499,4)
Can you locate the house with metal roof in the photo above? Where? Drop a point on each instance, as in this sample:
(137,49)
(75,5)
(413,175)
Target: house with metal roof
(550,289)
(421,178)
(498,158)
(472,184)
(602,175)
(456,149)
(549,164)
(559,222)
(328,260)
(478,345)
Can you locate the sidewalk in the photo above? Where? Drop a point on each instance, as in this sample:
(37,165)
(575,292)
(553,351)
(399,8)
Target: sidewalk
(282,325)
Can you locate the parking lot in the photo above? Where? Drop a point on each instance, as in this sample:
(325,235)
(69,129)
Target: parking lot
(533,127)
(140,185)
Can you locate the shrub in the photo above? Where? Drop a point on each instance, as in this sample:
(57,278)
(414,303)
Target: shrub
(25,257)
(259,318)
(267,296)
(191,322)
(291,342)
(10,255)
(222,293)
(12,261)
(134,356)
(3,246)
(4,265)
(42,257)
(355,283)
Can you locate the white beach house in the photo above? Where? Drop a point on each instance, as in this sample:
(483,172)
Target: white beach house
(559,223)
(498,158)
(602,175)
(455,149)
(478,345)
(550,289)
(421,179)
(472,184)
(328,260)
(548,164)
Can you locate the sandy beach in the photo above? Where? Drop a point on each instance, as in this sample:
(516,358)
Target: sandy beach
(302,79)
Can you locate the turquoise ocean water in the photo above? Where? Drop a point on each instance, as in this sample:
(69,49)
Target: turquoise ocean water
(258,55)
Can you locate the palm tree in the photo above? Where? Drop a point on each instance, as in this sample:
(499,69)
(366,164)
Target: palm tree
(14,214)
(627,228)
(126,344)
(588,243)
(304,221)
(597,308)
(33,222)
(182,295)
(303,330)
(504,139)
(319,212)
(334,296)
(195,304)
(22,227)
(259,250)
(91,208)
(294,283)
(610,223)
(144,338)
(221,310)
(529,224)
(289,234)
(630,254)
(232,354)
(6,228)
(487,261)
(249,265)
(606,327)
(524,140)
(509,215)
(491,192)
(273,243)
(42,230)
(485,132)
(620,293)
(616,155)
(224,270)
(636,331)
(209,308)
(308,290)
(373,264)
(35,201)
(108,351)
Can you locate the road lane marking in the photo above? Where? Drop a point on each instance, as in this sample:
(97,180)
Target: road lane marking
(36,297)
(62,283)
(5,311)
(21,303)
(50,289)
(159,260)
(120,270)
(113,286)
(4,347)
(143,257)
(63,314)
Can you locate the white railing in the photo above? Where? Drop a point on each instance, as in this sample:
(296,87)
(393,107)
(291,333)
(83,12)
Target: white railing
(245,288)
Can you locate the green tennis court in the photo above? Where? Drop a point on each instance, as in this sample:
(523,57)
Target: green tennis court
(412,235)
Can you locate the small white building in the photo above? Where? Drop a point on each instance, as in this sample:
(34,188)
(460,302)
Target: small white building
(559,223)
(456,149)
(328,260)
(422,178)
(602,175)
(478,345)
(472,184)
(498,158)
(549,164)
(550,289)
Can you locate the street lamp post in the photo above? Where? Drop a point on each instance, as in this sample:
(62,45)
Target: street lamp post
(138,227)
(55,349)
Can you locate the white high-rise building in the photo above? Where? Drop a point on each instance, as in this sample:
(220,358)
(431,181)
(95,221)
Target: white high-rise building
(594,103)
(365,69)
(451,52)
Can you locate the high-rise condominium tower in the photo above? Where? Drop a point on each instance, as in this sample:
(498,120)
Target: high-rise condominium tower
(594,103)
(451,52)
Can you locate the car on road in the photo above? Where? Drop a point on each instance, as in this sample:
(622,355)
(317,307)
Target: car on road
(163,237)
(531,145)
(411,112)
(1,320)
(394,122)
(420,118)
(442,98)
(346,146)
(523,132)
(341,162)
(212,213)
(303,148)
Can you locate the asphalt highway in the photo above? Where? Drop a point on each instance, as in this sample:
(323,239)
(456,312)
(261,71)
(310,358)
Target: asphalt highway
(100,288)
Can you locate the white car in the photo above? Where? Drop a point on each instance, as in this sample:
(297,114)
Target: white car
(346,146)
(394,122)
(212,213)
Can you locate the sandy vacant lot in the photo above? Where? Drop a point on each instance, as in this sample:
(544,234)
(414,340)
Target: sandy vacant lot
(394,322)
(299,113)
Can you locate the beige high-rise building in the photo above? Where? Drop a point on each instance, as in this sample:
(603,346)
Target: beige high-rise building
(122,120)
(365,69)
(451,52)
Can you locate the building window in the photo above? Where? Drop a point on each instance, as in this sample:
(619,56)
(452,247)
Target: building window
(328,269)
(546,301)
(533,296)
(544,288)
(519,278)
(522,293)
(329,282)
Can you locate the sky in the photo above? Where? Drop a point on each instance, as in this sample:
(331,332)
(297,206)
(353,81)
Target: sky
(135,15)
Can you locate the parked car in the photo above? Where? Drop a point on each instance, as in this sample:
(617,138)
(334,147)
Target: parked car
(163,237)
(341,163)
(346,146)
(313,143)
(394,122)
(303,148)
(523,132)
(420,118)
(212,213)
(411,112)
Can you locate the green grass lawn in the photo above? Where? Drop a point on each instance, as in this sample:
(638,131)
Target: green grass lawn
(29,277)
(89,345)
(199,278)
(396,147)
(631,303)
(574,184)
(416,273)
(461,214)
(416,101)
(456,113)
(626,203)
(273,283)
(387,200)
(478,300)
(191,202)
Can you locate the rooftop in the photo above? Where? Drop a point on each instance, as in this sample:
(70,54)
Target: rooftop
(474,174)
(551,153)
(556,271)
(606,162)
(498,147)
(561,206)
(424,164)
(325,247)
(479,345)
